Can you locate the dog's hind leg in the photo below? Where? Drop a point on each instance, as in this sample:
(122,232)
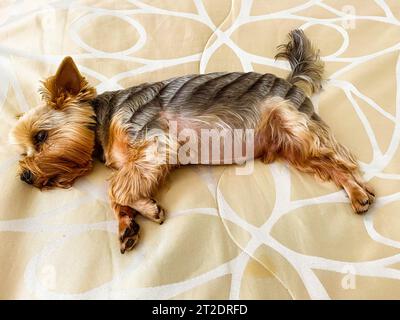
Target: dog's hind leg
(308,145)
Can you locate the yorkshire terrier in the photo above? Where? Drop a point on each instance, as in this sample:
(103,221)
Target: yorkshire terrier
(61,138)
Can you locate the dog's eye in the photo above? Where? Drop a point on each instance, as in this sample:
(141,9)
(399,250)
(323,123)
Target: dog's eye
(40,137)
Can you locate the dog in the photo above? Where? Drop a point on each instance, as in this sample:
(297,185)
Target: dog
(61,138)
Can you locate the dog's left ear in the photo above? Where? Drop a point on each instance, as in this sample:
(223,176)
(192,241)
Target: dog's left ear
(68,78)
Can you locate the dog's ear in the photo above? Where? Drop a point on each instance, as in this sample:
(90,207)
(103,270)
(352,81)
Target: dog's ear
(66,83)
(68,79)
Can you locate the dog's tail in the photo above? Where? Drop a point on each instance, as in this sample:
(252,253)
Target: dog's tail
(307,67)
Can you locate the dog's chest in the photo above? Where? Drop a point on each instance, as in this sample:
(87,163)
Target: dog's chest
(116,153)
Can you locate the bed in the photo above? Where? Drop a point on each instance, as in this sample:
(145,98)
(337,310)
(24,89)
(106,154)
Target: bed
(272,234)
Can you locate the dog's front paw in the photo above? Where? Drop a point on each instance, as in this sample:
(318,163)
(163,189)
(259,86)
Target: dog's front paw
(150,209)
(158,213)
(129,234)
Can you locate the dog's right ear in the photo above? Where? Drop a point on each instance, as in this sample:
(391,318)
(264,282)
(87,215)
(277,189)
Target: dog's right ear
(67,82)
(68,78)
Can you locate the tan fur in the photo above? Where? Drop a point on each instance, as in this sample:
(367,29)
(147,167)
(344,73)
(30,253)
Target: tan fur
(134,180)
(309,146)
(137,178)
(132,186)
(67,117)
(118,147)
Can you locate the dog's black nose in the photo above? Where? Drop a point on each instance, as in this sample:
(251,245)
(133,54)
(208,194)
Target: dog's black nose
(27,176)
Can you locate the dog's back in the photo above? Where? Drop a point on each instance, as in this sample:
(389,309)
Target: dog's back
(221,99)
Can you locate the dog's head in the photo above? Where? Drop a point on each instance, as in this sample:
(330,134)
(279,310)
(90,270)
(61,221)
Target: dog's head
(57,138)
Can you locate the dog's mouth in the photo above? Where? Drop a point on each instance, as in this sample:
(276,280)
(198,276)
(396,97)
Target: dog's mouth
(48,184)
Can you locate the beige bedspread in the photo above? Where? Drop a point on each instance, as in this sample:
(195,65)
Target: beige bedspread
(272,234)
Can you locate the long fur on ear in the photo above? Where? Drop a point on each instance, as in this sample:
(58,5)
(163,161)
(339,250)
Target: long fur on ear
(65,85)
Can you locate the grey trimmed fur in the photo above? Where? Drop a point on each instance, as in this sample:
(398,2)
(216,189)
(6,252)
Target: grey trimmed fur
(216,98)
(304,60)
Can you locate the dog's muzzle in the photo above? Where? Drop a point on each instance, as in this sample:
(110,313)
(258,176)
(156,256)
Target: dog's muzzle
(27,176)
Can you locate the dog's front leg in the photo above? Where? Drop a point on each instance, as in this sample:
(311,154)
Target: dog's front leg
(131,190)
